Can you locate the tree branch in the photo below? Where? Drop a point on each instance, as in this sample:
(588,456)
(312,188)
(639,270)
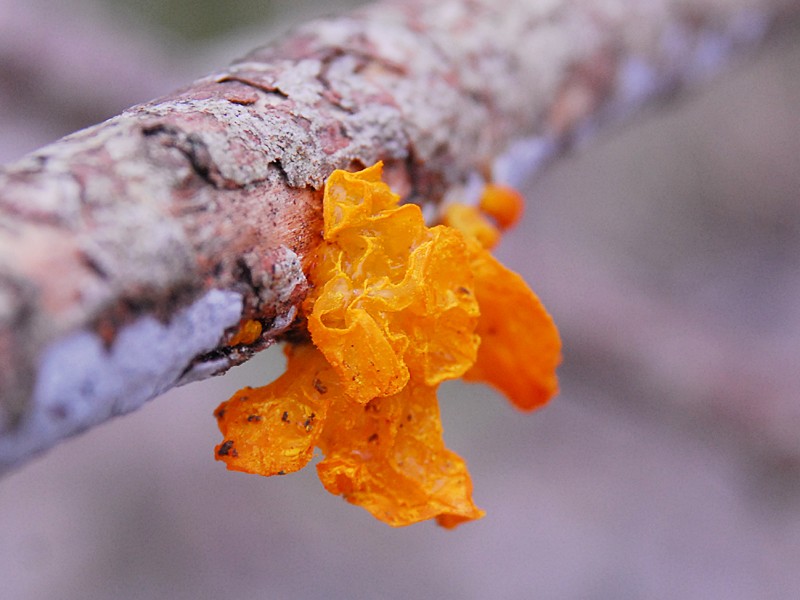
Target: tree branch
(130,251)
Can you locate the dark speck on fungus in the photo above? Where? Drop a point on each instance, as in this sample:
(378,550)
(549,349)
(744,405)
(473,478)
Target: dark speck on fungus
(225,449)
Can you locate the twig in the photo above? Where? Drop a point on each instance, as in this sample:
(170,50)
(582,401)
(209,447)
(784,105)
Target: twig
(130,251)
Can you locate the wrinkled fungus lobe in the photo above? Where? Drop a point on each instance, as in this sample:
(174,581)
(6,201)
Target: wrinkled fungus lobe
(395,309)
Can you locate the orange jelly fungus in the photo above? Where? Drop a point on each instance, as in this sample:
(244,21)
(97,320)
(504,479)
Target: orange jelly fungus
(396,308)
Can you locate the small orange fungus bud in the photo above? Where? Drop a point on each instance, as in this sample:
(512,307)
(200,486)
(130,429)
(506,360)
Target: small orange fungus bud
(471,222)
(249,331)
(396,308)
(503,203)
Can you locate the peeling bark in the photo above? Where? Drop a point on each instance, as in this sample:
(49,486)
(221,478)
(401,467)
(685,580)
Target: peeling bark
(129,251)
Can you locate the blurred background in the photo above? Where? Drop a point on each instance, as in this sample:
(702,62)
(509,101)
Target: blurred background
(669,466)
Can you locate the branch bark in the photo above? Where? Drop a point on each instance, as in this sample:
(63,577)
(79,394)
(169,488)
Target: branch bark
(130,251)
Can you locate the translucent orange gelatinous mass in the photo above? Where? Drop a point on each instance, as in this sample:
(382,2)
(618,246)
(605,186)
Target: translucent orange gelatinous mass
(389,458)
(471,222)
(273,430)
(520,346)
(396,308)
(394,299)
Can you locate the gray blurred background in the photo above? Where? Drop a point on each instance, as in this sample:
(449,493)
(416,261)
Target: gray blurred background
(669,466)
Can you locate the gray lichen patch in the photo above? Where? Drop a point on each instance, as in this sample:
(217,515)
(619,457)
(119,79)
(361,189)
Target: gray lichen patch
(81,381)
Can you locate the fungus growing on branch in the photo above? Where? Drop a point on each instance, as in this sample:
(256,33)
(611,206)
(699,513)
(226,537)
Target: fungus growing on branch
(396,308)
